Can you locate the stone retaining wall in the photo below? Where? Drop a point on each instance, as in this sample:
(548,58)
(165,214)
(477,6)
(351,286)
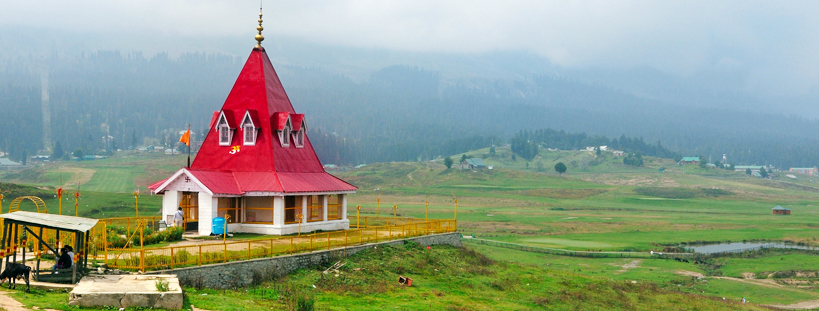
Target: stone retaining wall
(248,272)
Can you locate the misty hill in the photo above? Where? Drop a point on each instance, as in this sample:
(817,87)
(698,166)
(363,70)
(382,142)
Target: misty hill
(398,113)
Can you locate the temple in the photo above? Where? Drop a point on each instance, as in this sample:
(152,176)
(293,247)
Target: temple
(256,166)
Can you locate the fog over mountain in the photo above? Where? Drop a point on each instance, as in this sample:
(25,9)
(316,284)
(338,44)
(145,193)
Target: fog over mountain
(701,77)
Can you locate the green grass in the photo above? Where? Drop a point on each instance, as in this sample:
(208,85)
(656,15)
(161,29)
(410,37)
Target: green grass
(766,263)
(664,273)
(449,278)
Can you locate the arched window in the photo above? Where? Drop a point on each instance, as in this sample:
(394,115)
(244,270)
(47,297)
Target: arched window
(249,128)
(225,131)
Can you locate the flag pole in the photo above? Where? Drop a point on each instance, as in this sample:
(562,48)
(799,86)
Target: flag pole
(189,146)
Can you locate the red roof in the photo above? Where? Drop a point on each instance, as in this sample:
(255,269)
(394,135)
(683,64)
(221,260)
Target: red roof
(266,166)
(254,117)
(296,120)
(279,120)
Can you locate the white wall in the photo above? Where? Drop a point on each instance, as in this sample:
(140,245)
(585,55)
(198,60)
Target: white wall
(170,202)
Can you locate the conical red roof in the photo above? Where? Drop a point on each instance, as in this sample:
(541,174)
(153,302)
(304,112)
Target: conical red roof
(267,165)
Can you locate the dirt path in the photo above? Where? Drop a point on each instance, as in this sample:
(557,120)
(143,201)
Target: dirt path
(804,305)
(78,176)
(10,304)
(630,265)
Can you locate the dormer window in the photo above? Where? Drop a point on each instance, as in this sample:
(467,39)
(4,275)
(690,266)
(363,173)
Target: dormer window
(282,124)
(249,128)
(225,129)
(297,120)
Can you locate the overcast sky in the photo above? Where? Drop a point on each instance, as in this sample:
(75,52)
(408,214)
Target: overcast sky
(771,41)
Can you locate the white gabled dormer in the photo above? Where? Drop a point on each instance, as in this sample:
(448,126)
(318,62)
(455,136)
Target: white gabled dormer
(250,127)
(297,120)
(283,126)
(225,128)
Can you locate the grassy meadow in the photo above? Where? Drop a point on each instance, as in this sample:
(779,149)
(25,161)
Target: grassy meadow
(599,204)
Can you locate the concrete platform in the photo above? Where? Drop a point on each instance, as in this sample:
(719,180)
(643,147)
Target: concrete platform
(123,291)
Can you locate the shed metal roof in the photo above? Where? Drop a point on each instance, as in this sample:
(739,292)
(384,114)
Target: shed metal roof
(780,208)
(62,222)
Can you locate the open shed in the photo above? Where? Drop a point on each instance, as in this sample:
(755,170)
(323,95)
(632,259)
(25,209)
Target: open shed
(17,225)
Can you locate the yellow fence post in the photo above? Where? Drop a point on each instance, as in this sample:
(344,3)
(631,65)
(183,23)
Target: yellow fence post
(225,245)
(357,219)
(171,257)
(142,260)
(104,241)
(200,255)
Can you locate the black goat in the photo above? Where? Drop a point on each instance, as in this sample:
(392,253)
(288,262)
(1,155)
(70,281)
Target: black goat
(685,261)
(13,272)
(677,259)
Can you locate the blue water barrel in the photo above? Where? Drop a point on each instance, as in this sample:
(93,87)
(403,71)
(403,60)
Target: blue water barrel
(218,225)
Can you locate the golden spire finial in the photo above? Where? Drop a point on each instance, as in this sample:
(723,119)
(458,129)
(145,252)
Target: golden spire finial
(259,37)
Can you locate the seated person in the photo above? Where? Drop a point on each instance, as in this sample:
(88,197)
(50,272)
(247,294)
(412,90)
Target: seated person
(64,262)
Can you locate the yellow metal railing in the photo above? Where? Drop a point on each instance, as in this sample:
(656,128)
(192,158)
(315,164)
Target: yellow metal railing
(195,255)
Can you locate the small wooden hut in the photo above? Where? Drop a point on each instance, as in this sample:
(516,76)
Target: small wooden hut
(779,210)
(18,224)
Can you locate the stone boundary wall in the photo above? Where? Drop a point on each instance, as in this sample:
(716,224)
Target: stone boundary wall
(236,274)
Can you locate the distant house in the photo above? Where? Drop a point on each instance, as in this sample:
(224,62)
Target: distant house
(473,164)
(810,171)
(690,160)
(743,168)
(39,158)
(779,210)
(618,153)
(330,167)
(5,162)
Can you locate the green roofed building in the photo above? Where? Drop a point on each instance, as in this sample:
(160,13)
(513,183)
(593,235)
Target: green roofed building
(690,160)
(473,164)
(779,210)
(810,171)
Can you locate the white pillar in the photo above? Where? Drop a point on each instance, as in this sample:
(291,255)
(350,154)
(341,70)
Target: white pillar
(207,212)
(304,210)
(278,211)
(343,206)
(170,202)
(324,199)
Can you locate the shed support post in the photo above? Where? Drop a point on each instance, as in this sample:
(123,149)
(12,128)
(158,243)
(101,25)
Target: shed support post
(15,242)
(40,252)
(5,242)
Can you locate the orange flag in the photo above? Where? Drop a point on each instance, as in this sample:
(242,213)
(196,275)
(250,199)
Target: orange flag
(186,138)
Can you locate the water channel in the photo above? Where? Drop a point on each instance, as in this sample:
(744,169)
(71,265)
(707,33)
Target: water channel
(741,247)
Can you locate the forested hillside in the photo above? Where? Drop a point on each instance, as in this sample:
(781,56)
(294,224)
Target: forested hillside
(401,113)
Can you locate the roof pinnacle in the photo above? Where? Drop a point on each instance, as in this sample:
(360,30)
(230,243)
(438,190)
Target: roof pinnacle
(259,37)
